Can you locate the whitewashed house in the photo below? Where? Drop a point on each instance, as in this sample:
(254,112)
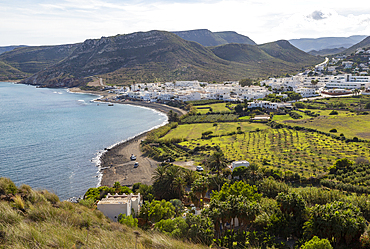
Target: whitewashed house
(236,164)
(114,205)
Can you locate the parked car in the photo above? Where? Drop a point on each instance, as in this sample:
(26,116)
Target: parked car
(136,165)
(133,157)
(199,168)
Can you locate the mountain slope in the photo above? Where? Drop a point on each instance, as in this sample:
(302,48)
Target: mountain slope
(7,72)
(308,44)
(233,37)
(164,56)
(329,51)
(208,38)
(34,59)
(363,44)
(285,51)
(272,57)
(9,48)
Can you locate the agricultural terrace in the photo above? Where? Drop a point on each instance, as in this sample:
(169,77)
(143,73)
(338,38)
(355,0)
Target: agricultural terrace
(339,102)
(194,131)
(211,118)
(350,124)
(306,153)
(218,107)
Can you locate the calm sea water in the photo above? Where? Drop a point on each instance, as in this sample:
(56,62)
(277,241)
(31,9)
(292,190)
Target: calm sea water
(49,138)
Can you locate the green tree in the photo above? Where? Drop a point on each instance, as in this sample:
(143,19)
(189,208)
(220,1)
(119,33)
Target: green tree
(238,188)
(127,220)
(177,228)
(246,82)
(339,222)
(217,162)
(199,188)
(169,182)
(239,108)
(157,210)
(146,191)
(316,243)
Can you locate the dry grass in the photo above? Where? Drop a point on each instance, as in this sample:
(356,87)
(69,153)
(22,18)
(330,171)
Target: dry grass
(36,219)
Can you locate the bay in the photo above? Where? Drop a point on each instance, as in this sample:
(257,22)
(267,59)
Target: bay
(50,138)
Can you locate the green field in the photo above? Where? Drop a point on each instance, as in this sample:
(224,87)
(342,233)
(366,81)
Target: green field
(194,131)
(218,107)
(350,124)
(339,102)
(306,153)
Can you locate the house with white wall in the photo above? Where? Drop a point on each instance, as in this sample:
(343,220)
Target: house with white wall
(114,205)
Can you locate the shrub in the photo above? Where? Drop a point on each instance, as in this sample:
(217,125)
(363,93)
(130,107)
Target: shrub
(89,203)
(127,220)
(333,112)
(51,197)
(333,130)
(271,188)
(316,243)
(7,186)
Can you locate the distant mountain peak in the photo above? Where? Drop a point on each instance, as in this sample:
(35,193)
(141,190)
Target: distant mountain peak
(308,44)
(208,38)
(154,56)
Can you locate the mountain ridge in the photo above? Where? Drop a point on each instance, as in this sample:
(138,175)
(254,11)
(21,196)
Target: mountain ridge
(308,44)
(208,38)
(365,43)
(151,57)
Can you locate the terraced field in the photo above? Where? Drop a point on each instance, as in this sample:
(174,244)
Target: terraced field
(350,124)
(194,131)
(306,153)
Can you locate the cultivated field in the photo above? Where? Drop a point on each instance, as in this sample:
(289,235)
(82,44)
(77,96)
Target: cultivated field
(306,153)
(194,131)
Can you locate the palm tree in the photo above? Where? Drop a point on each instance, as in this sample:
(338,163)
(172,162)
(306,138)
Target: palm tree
(200,188)
(178,186)
(217,162)
(356,91)
(253,172)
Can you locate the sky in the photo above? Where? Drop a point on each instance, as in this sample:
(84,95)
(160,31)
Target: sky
(52,22)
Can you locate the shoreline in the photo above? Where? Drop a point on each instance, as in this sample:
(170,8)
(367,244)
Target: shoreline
(114,161)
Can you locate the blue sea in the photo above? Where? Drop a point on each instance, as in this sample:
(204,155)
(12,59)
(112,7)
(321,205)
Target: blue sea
(52,139)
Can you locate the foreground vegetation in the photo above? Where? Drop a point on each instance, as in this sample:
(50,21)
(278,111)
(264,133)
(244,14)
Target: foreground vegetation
(37,219)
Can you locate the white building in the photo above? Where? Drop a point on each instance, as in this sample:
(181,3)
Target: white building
(306,92)
(347,64)
(236,164)
(268,105)
(348,81)
(114,205)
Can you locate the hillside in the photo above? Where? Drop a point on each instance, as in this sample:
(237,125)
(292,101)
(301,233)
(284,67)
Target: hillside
(283,50)
(163,56)
(37,219)
(207,38)
(9,48)
(273,57)
(7,72)
(324,52)
(36,58)
(363,44)
(308,44)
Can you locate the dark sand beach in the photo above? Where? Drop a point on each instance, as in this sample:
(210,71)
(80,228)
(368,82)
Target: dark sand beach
(115,163)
